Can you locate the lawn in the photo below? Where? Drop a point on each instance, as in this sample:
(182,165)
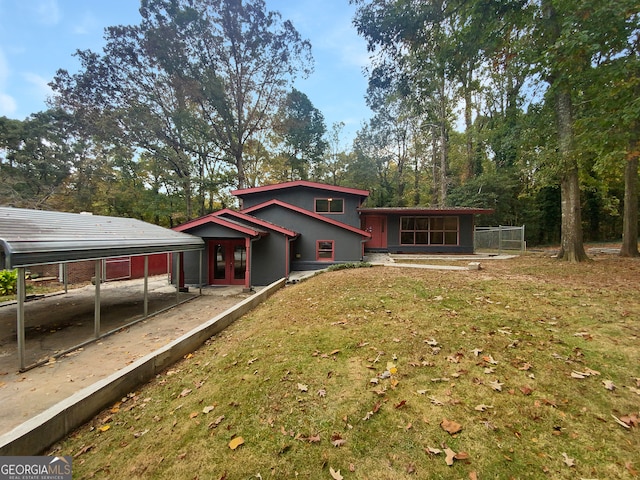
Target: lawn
(528,368)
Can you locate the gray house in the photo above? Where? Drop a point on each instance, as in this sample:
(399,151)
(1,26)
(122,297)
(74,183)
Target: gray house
(280,228)
(305,225)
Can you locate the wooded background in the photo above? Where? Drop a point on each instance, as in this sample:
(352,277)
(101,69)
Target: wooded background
(529,107)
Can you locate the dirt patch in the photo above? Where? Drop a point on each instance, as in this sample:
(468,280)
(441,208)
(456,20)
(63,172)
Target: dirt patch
(58,322)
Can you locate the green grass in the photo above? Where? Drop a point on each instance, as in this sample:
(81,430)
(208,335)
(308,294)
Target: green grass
(540,320)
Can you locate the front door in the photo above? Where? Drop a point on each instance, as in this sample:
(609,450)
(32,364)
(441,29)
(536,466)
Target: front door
(377,227)
(227,262)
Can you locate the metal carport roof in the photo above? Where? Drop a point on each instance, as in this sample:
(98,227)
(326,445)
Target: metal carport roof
(34,237)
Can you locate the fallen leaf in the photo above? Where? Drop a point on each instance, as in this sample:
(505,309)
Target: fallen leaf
(83,450)
(631,420)
(526,390)
(337,440)
(482,407)
(450,455)
(335,475)
(182,456)
(193,414)
(421,392)
(477,351)
(208,409)
(496,385)
(139,434)
(620,422)
(302,387)
(401,404)
(104,428)
(461,456)
(473,476)
(216,422)
(236,442)
(185,392)
(314,439)
(570,462)
(609,385)
(432,342)
(525,366)
(433,451)
(490,359)
(450,426)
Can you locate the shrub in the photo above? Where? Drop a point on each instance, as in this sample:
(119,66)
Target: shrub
(8,282)
(343,266)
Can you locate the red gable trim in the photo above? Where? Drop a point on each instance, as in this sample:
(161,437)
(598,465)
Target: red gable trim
(308,214)
(426,211)
(212,218)
(300,183)
(262,223)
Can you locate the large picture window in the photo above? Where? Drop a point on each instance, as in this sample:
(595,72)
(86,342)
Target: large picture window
(329,205)
(324,250)
(429,230)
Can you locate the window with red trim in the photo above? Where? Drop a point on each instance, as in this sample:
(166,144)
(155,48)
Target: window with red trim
(324,250)
(329,205)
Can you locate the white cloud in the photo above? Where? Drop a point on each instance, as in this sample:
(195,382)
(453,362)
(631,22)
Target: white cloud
(8,105)
(39,84)
(47,11)
(88,24)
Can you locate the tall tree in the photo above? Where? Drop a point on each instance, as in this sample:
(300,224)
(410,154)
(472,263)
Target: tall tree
(300,129)
(191,84)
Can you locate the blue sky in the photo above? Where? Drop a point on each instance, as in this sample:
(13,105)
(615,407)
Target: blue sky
(37,37)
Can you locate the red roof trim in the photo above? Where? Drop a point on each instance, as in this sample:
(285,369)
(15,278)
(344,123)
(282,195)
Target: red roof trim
(308,214)
(256,220)
(426,211)
(212,218)
(300,183)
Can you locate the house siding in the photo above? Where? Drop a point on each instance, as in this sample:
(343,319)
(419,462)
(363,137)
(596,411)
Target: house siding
(347,246)
(304,197)
(465,238)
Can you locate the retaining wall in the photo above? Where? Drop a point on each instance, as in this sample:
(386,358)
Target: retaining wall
(37,434)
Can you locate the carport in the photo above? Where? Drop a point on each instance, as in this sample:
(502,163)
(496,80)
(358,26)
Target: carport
(35,237)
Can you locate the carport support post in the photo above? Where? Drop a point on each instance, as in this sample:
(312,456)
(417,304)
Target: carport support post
(177,275)
(146,286)
(20,293)
(96,325)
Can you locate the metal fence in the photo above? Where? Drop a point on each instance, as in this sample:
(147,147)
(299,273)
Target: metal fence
(498,239)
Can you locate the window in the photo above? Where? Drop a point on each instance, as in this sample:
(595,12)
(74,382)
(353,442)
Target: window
(329,205)
(324,250)
(429,230)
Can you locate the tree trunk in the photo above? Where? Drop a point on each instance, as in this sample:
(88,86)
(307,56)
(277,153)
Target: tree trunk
(470,169)
(571,248)
(630,219)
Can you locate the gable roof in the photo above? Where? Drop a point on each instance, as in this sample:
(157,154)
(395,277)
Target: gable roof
(428,210)
(300,183)
(34,237)
(307,213)
(223,222)
(256,220)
